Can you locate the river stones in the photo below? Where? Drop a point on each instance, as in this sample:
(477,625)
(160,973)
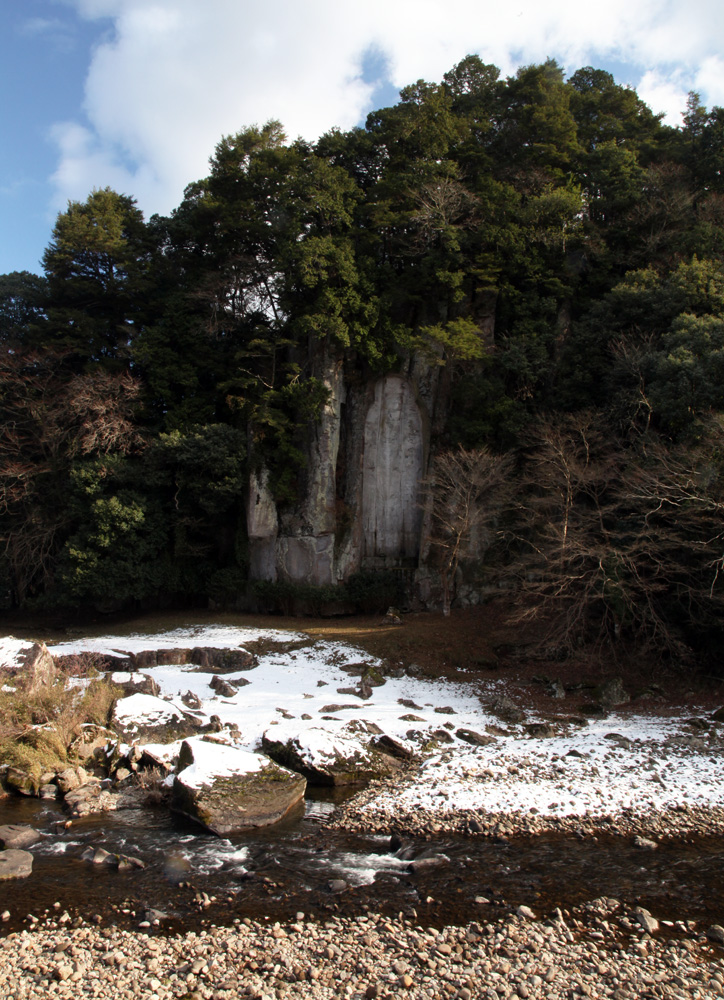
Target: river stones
(15,864)
(326,758)
(89,799)
(18,836)
(475,739)
(227,789)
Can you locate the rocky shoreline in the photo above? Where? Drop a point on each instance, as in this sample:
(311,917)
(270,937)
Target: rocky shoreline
(377,809)
(602,949)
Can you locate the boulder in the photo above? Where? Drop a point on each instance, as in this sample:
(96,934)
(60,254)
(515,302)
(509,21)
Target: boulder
(39,668)
(506,709)
(473,738)
(20,781)
(89,799)
(144,717)
(71,778)
(326,758)
(227,789)
(15,864)
(18,836)
(133,682)
(612,693)
(224,688)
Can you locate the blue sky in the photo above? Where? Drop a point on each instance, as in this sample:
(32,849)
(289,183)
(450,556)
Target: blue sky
(135,93)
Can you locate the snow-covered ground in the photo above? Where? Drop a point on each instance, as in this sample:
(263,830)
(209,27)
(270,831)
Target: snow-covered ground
(625,762)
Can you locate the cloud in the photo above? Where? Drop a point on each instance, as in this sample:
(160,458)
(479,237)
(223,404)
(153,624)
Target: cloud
(173,76)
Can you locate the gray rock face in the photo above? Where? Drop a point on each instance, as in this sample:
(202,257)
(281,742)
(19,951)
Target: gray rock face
(392,471)
(15,864)
(18,836)
(227,789)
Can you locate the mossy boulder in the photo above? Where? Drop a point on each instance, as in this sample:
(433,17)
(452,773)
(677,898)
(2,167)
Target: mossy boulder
(227,789)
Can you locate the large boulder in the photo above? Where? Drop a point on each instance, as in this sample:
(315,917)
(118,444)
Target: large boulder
(327,758)
(227,789)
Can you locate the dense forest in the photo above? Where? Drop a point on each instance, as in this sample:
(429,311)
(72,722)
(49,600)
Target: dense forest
(547,245)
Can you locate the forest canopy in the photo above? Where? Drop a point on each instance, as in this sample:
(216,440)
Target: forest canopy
(550,242)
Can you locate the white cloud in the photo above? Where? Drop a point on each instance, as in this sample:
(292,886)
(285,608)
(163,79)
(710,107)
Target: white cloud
(664,94)
(176,75)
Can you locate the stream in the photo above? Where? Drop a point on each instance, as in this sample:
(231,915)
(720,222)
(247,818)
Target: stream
(196,879)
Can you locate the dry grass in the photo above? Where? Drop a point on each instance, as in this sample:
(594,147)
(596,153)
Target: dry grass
(36,729)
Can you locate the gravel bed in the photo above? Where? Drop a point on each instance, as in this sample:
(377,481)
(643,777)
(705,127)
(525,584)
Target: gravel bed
(599,950)
(378,809)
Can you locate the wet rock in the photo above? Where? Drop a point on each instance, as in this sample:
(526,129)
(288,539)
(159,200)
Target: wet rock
(718,716)
(420,865)
(48,791)
(475,739)
(18,836)
(526,913)
(716,934)
(228,789)
(338,885)
(15,864)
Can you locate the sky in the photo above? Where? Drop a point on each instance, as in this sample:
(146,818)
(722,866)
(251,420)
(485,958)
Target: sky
(135,94)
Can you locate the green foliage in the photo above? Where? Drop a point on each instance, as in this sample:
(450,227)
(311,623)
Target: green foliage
(547,244)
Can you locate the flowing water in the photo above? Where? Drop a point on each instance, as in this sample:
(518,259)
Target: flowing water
(195,878)
(274,873)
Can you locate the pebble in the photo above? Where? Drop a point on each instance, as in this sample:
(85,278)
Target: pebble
(595,950)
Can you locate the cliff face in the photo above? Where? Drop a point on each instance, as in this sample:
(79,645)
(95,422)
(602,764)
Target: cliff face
(361,505)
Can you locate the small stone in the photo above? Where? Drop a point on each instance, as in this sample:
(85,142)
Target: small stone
(716,933)
(650,924)
(63,972)
(526,913)
(645,844)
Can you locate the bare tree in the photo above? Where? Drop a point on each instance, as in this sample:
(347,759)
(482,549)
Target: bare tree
(466,492)
(617,540)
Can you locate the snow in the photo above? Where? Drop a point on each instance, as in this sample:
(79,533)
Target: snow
(652,764)
(213,760)
(146,710)
(12,650)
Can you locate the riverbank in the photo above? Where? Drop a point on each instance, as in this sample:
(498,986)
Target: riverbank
(600,950)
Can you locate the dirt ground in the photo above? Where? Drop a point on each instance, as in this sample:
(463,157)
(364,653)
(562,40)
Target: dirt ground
(472,643)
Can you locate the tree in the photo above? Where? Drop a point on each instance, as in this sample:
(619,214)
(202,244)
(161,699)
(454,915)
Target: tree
(466,492)
(95,266)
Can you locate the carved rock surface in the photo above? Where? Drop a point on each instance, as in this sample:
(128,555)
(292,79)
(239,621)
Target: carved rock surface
(393,468)
(228,789)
